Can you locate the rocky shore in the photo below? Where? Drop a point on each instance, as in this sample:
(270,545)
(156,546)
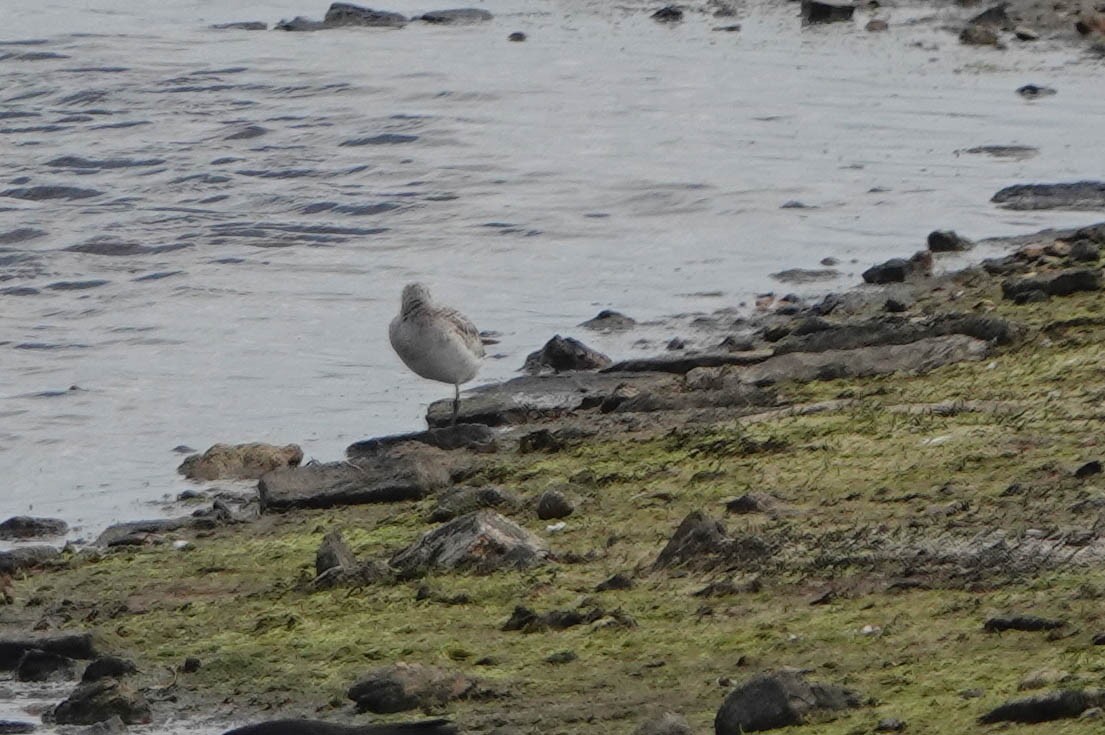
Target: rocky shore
(876,511)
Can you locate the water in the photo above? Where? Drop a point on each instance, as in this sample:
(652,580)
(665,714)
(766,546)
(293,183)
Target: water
(233,276)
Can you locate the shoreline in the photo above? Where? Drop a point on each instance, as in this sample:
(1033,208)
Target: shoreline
(825,488)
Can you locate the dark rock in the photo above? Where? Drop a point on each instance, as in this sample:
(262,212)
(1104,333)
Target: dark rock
(1063,704)
(483,540)
(108,666)
(619,581)
(697,536)
(1035,91)
(99,700)
(41,193)
(516,37)
(318,727)
(948,241)
(668,723)
(249,132)
(979,36)
(456,17)
(526,620)
(1019,152)
(1059,283)
(609,321)
(114,725)
(402,686)
(900,331)
(805,275)
(457,501)
(381,139)
(1089,469)
(300,23)
(562,354)
(995,17)
(917,357)
(890,724)
(675,343)
(388,477)
(70,645)
(898,270)
(751,503)
(347,14)
(553,504)
(895,306)
(1078,195)
(247,25)
(779,699)
(1085,251)
(815,11)
(668,14)
(239,461)
(16,726)
(553,440)
(38,665)
(733,343)
(727,588)
(334,552)
(141,533)
(1021,622)
(727,29)
(1099,639)
(191,665)
(876,25)
(1023,33)
(795,204)
(561,657)
(24,527)
(472,437)
(684,363)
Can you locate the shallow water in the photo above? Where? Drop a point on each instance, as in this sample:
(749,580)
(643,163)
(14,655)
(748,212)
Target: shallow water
(240,209)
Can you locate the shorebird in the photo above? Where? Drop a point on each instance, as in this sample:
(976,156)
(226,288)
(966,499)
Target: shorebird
(435,341)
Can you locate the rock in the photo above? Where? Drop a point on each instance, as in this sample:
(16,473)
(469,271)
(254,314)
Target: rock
(684,363)
(917,357)
(70,645)
(1034,91)
(24,527)
(318,727)
(668,14)
(978,36)
(947,241)
(402,686)
(727,29)
(1059,283)
(239,461)
(561,657)
(99,700)
(778,699)
(347,14)
(1077,195)
(1021,622)
(456,17)
(471,437)
(26,557)
(38,665)
(890,724)
(994,16)
(516,37)
(805,275)
(1024,33)
(899,331)
(334,552)
(1042,678)
(457,501)
(619,581)
(876,25)
(1084,251)
(247,25)
(553,504)
(1063,704)
(898,270)
(608,320)
(751,503)
(815,11)
(483,540)
(1018,152)
(388,477)
(106,666)
(895,306)
(697,536)
(668,723)
(675,343)
(526,620)
(562,354)
(111,726)
(140,533)
(191,665)
(16,726)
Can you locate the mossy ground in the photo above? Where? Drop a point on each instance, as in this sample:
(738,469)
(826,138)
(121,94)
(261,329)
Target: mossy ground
(878,474)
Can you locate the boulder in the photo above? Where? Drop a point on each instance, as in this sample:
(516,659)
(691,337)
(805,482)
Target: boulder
(1058,283)
(916,357)
(778,699)
(402,686)
(26,557)
(1060,705)
(697,536)
(389,477)
(25,527)
(239,461)
(898,270)
(69,645)
(948,241)
(668,723)
(100,700)
(142,533)
(609,320)
(458,500)
(483,541)
(471,437)
(1030,623)
(108,666)
(553,504)
(459,16)
(816,11)
(668,14)
(318,727)
(38,665)
(347,14)
(1077,195)
(562,354)
(334,552)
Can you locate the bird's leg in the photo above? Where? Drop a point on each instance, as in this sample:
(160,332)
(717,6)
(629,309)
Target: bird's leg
(456,403)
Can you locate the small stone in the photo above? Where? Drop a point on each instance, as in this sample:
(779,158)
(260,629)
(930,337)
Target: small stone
(1023,33)
(816,11)
(609,320)
(553,504)
(727,29)
(668,14)
(561,354)
(948,241)
(975,35)
(240,461)
(751,503)
(675,343)
(668,723)
(1034,91)
(876,25)
(618,582)
(1093,713)
(517,37)
(191,665)
(1089,469)
(562,657)
(895,306)
(890,724)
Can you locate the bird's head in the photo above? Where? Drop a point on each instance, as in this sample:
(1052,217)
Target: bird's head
(415,295)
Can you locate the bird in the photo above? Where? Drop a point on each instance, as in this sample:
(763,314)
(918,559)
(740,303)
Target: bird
(318,727)
(435,341)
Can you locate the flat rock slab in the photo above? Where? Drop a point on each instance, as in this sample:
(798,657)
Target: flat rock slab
(384,478)
(26,557)
(70,645)
(778,699)
(1061,283)
(473,437)
(319,727)
(458,16)
(483,540)
(239,461)
(404,686)
(1076,195)
(140,533)
(895,330)
(682,364)
(1060,705)
(533,398)
(917,357)
(24,527)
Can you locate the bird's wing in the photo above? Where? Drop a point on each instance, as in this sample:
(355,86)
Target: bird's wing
(467,330)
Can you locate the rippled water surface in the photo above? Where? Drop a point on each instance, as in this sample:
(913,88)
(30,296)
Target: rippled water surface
(205,232)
